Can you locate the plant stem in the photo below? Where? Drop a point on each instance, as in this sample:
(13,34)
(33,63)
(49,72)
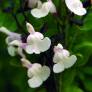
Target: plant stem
(60,83)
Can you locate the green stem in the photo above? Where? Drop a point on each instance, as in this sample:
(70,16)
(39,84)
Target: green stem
(60,83)
(66,34)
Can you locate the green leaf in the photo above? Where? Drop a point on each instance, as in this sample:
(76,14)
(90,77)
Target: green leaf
(85,49)
(67,79)
(88,84)
(7,21)
(87,23)
(84,45)
(73,88)
(87,70)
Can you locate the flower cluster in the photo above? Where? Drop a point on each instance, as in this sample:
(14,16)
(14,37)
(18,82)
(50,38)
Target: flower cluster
(37,43)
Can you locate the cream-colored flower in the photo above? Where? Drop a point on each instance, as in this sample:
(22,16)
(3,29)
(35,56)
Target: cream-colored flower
(76,7)
(36,43)
(43,10)
(62,59)
(37,73)
(12,40)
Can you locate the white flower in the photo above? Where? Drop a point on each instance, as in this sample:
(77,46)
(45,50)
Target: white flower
(12,40)
(37,74)
(16,47)
(76,7)
(62,59)
(36,43)
(42,10)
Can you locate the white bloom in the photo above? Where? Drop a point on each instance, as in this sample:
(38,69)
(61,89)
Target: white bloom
(62,59)
(76,7)
(42,10)
(12,40)
(37,74)
(36,43)
(16,47)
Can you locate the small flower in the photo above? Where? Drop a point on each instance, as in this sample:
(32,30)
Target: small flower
(76,7)
(62,59)
(37,74)
(42,10)
(11,40)
(16,47)
(36,43)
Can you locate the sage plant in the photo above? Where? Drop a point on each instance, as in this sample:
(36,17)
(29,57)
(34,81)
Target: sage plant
(50,42)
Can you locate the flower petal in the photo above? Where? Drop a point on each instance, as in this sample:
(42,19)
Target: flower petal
(29,49)
(44,45)
(20,52)
(57,48)
(80,11)
(16,43)
(35,82)
(9,39)
(60,55)
(65,53)
(5,30)
(11,50)
(37,51)
(33,38)
(70,61)
(57,57)
(39,4)
(39,35)
(13,37)
(41,12)
(26,63)
(30,28)
(34,70)
(52,7)
(59,67)
(45,73)
(34,42)
(76,7)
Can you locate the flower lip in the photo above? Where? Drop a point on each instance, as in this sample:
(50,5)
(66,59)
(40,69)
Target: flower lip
(76,7)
